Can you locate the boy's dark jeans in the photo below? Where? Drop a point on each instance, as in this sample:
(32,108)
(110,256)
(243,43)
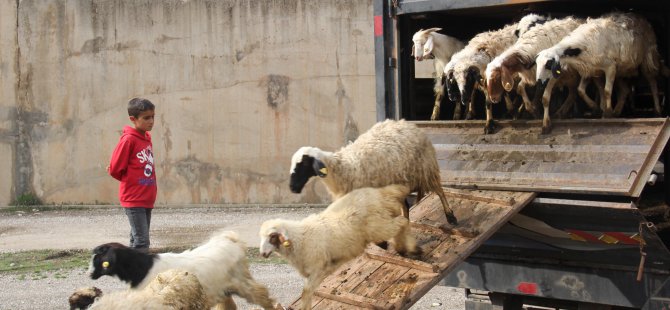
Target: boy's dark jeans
(140,221)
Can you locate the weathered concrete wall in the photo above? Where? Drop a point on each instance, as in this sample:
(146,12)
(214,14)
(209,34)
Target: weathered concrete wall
(239,86)
(8,86)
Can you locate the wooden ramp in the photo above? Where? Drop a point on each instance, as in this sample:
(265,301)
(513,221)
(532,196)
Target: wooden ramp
(382,280)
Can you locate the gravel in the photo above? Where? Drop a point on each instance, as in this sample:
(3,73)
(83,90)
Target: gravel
(88,227)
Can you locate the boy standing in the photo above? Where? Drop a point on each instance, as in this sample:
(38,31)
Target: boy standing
(132,163)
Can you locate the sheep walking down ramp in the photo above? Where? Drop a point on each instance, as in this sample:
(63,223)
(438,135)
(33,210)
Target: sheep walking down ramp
(319,244)
(391,152)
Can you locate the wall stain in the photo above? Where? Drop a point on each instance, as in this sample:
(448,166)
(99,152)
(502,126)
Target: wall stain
(163,38)
(351,132)
(248,49)
(277,89)
(93,46)
(210,183)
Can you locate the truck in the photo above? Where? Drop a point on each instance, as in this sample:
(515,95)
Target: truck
(596,231)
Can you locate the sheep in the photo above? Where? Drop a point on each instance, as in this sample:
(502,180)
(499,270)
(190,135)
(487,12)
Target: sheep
(320,243)
(430,44)
(83,297)
(470,63)
(519,60)
(171,289)
(220,264)
(388,153)
(617,45)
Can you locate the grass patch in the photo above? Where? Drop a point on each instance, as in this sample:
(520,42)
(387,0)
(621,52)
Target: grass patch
(36,265)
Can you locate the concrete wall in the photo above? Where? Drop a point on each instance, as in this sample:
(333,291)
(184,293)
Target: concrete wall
(239,85)
(8,107)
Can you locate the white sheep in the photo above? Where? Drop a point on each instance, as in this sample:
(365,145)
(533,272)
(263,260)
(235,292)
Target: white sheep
(220,265)
(171,289)
(470,64)
(519,60)
(320,243)
(430,44)
(618,45)
(391,152)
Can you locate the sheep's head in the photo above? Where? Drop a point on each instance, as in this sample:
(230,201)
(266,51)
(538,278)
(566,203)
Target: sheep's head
(468,80)
(82,298)
(529,21)
(493,84)
(422,47)
(305,164)
(273,237)
(103,261)
(548,65)
(452,85)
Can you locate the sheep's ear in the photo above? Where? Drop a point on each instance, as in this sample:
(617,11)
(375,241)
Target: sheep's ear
(572,52)
(413,45)
(320,168)
(101,249)
(428,47)
(433,30)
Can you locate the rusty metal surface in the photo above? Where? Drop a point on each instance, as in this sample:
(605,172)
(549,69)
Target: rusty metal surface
(612,157)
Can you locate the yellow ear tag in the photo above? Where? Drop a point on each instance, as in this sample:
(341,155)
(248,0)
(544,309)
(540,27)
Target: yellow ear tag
(558,71)
(105,264)
(286,244)
(323,171)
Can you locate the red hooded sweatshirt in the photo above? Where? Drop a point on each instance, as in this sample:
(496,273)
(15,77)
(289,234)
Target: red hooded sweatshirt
(132,163)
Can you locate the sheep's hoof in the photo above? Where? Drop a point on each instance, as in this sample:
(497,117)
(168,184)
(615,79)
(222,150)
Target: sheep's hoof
(608,113)
(457,116)
(546,129)
(469,115)
(490,128)
(384,245)
(451,219)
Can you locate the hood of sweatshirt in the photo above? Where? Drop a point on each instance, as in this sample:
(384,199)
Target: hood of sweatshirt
(127,130)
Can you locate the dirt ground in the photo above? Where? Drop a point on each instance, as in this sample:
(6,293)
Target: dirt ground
(85,228)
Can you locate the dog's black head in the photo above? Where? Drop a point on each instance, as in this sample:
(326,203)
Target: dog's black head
(305,165)
(115,259)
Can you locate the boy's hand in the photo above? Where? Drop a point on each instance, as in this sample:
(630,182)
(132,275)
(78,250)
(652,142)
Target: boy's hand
(107,168)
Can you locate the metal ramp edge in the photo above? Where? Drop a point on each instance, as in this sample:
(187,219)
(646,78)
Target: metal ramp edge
(380,279)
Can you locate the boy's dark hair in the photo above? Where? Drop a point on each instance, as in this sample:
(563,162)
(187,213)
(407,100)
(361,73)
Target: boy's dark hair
(139,105)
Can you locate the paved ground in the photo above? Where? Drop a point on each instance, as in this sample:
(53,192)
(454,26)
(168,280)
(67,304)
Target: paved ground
(89,227)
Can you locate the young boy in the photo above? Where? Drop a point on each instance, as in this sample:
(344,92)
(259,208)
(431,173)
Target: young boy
(132,163)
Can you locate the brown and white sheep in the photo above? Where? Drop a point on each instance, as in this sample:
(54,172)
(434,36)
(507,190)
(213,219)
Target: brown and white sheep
(519,60)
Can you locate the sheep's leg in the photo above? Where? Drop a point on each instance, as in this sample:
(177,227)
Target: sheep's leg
(527,103)
(622,94)
(546,99)
(457,110)
(568,104)
(489,128)
(256,293)
(227,304)
(610,75)
(439,93)
(581,90)
(311,284)
(471,107)
(404,242)
(654,92)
